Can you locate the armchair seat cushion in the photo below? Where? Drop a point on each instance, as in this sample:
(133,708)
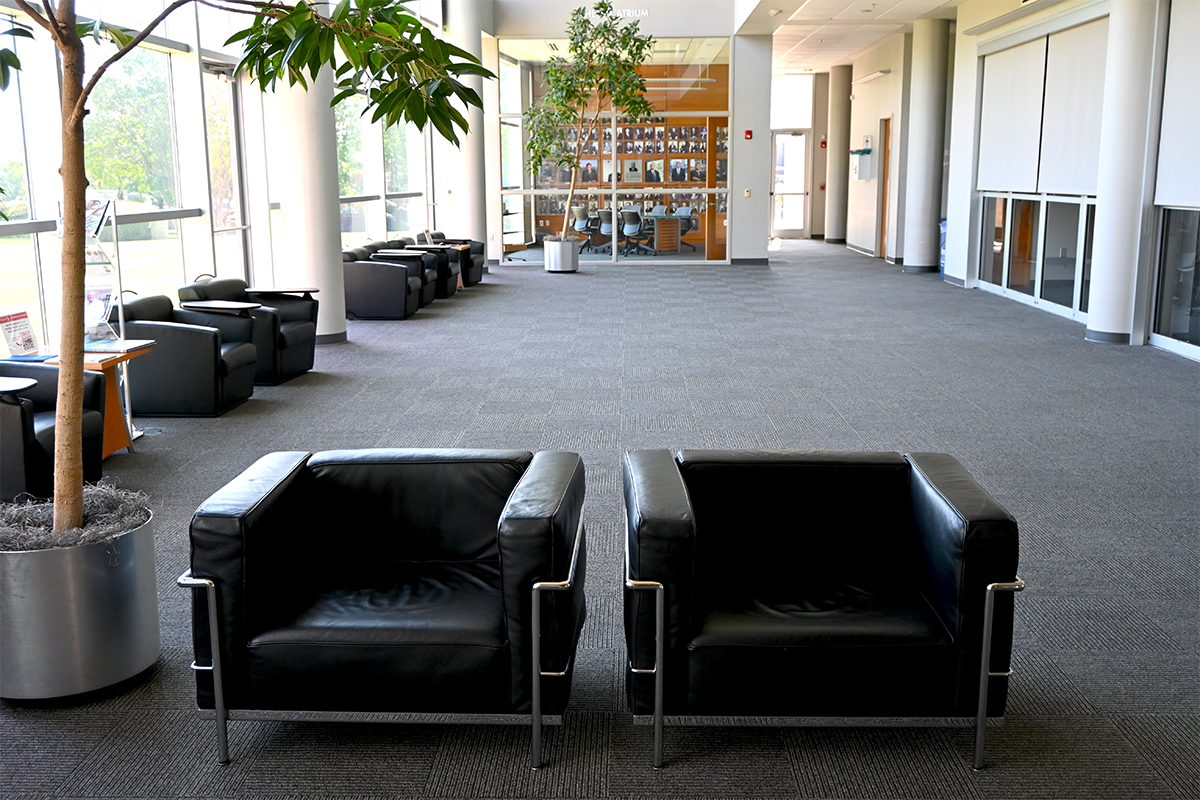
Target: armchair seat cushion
(437,630)
(293,333)
(846,616)
(235,356)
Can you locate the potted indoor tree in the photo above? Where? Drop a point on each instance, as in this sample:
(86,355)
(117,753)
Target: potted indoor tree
(378,50)
(600,75)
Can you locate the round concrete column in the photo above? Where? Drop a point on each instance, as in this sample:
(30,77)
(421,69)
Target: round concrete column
(837,176)
(308,191)
(926,144)
(1120,202)
(461,176)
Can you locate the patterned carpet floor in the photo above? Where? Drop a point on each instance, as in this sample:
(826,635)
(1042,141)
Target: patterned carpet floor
(1094,448)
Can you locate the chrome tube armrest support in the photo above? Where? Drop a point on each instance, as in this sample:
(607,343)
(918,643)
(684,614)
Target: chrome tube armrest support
(189,581)
(536,618)
(660,622)
(985,663)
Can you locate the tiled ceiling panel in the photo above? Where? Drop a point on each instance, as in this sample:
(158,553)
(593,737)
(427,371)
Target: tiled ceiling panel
(822,33)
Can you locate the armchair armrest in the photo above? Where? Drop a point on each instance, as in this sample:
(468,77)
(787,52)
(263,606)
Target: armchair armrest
(541,539)
(233,327)
(180,342)
(660,547)
(241,516)
(969,542)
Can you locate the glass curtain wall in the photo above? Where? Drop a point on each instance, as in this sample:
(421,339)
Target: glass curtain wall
(1038,248)
(1177,315)
(656,188)
(18,252)
(381,174)
(225,174)
(404,178)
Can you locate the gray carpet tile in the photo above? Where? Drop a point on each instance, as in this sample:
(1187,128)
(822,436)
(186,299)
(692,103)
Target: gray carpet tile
(327,759)
(1095,449)
(166,753)
(1097,622)
(878,763)
(1134,682)
(1168,742)
(1062,757)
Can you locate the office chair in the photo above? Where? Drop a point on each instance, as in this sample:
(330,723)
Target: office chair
(583,224)
(634,234)
(687,223)
(606,231)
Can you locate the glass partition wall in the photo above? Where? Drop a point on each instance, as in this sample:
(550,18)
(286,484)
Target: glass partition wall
(655,188)
(1038,248)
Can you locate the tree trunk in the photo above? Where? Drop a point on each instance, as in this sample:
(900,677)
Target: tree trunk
(68,419)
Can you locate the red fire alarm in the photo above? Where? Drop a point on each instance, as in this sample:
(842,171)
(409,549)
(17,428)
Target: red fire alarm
(823,144)
(749,134)
(822,185)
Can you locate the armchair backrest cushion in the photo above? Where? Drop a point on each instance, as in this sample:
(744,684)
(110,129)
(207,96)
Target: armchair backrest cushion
(414,505)
(156,308)
(772,522)
(219,289)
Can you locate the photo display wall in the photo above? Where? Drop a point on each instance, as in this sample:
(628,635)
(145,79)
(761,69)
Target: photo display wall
(664,156)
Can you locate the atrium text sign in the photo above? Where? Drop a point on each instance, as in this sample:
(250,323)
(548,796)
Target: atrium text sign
(628,13)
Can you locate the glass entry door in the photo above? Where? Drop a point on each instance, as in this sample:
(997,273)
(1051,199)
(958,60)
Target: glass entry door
(789,197)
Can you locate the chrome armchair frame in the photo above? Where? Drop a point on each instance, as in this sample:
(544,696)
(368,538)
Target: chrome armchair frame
(222,714)
(658,719)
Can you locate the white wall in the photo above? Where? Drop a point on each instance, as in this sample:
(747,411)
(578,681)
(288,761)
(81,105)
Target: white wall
(820,127)
(750,164)
(874,101)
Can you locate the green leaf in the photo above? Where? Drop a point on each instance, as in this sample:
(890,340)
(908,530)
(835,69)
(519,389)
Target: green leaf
(386,29)
(19,32)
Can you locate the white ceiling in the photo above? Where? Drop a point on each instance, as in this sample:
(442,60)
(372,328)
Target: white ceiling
(814,35)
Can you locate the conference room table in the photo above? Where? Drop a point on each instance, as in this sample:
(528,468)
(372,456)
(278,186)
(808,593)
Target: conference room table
(666,232)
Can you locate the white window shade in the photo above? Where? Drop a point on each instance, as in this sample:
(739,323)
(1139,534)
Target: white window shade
(1010,130)
(1178,151)
(1075,60)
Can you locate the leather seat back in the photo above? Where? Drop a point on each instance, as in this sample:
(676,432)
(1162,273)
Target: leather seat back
(217,289)
(769,521)
(413,506)
(156,308)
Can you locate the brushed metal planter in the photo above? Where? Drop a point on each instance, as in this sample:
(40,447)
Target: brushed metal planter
(562,256)
(75,619)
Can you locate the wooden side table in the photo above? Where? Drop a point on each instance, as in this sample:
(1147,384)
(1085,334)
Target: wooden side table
(116,423)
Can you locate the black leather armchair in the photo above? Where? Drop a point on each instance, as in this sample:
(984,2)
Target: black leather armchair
(471,268)
(202,364)
(27,430)
(285,333)
(391,585)
(423,265)
(448,271)
(380,289)
(815,584)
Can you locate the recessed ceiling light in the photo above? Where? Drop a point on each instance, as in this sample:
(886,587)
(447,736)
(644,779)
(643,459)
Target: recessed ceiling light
(773,12)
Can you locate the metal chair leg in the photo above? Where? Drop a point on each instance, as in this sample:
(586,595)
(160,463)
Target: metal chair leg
(985,664)
(189,581)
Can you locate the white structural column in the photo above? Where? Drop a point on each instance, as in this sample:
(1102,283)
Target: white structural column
(308,190)
(750,167)
(926,144)
(460,176)
(1122,202)
(837,178)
